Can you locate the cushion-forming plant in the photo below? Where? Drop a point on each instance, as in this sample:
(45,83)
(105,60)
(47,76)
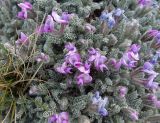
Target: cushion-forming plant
(79,61)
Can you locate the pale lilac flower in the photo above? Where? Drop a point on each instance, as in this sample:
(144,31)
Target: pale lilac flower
(64,69)
(135,48)
(111,22)
(96,98)
(64,19)
(99,63)
(84,68)
(90,28)
(49,24)
(22,14)
(63,117)
(98,59)
(101,103)
(23,40)
(118,12)
(130,57)
(122,91)
(33,90)
(92,54)
(127,60)
(25,5)
(152,85)
(109,19)
(42,58)
(134,115)
(151,73)
(83,79)
(70,48)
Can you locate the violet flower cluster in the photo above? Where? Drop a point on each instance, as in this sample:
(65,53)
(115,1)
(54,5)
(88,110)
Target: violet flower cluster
(150,75)
(25,6)
(49,25)
(111,17)
(62,117)
(152,100)
(152,35)
(100,103)
(129,58)
(73,60)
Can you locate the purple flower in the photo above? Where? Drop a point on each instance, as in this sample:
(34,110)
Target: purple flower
(144,3)
(148,66)
(103,112)
(22,14)
(130,57)
(122,91)
(64,69)
(84,68)
(23,40)
(99,63)
(53,119)
(83,79)
(73,59)
(49,24)
(134,115)
(151,73)
(64,19)
(152,33)
(89,28)
(70,48)
(135,48)
(63,117)
(25,5)
(152,85)
(98,59)
(42,58)
(92,54)
(152,98)
(128,60)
